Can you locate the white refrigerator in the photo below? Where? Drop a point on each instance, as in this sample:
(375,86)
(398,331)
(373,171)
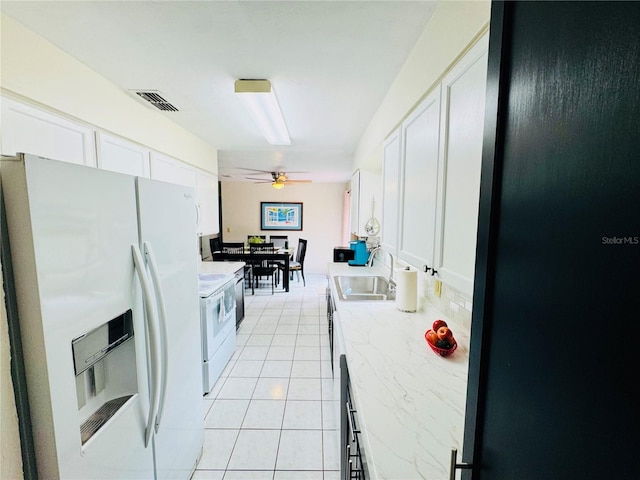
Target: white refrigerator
(105,271)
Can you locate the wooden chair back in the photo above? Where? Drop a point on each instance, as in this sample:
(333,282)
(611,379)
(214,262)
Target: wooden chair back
(234,247)
(215,244)
(279,240)
(302,251)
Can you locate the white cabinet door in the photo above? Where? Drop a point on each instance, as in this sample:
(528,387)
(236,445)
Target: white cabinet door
(26,129)
(390,191)
(208,209)
(419,180)
(462,121)
(120,155)
(365,190)
(169,169)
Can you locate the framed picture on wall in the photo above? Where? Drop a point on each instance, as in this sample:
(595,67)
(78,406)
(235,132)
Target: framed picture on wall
(280,216)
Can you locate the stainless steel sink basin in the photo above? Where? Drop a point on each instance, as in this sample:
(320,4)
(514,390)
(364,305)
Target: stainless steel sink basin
(364,288)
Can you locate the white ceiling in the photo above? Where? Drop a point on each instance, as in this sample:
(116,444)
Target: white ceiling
(330,62)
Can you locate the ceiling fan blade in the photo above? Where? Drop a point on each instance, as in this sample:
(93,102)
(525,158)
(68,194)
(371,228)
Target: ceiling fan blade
(255,170)
(278,176)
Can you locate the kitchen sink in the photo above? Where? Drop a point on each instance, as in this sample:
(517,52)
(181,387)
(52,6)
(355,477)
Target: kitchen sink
(364,288)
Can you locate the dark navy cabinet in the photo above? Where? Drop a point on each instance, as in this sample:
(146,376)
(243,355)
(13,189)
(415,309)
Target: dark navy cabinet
(556,320)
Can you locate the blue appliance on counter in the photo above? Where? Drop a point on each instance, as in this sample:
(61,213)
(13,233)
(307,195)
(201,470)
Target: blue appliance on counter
(360,254)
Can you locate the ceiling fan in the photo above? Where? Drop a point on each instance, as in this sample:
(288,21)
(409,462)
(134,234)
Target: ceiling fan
(278,179)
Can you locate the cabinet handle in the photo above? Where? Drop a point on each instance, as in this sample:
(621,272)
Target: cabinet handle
(426,268)
(455,465)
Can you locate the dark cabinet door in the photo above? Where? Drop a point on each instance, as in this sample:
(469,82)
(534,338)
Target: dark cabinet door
(554,359)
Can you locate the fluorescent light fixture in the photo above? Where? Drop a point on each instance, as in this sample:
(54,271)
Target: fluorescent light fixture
(260,99)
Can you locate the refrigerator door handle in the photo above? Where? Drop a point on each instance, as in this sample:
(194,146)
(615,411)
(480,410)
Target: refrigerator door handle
(198,217)
(155,277)
(154,350)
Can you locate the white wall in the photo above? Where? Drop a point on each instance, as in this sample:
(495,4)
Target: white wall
(36,71)
(453,27)
(321,211)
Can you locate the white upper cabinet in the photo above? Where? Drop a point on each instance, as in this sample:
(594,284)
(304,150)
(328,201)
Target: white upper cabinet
(391,152)
(438,185)
(419,180)
(120,155)
(172,170)
(208,208)
(26,129)
(463,94)
(365,190)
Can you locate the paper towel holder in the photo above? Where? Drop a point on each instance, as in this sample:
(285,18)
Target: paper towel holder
(406,303)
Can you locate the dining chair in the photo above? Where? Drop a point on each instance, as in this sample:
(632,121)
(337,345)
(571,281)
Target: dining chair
(279,241)
(297,265)
(238,247)
(215,244)
(234,247)
(262,268)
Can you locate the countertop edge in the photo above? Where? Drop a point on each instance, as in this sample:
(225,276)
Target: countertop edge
(220,267)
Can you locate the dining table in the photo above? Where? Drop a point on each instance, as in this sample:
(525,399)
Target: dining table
(280,255)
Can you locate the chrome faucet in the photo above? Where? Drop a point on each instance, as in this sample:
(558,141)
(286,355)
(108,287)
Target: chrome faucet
(372,254)
(392,282)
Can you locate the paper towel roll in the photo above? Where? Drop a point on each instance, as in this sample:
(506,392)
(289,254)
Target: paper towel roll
(407,290)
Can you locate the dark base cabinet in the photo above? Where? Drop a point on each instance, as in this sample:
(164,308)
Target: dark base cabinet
(552,394)
(352,460)
(330,309)
(239,296)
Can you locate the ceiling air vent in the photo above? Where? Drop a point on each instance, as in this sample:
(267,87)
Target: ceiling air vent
(156,99)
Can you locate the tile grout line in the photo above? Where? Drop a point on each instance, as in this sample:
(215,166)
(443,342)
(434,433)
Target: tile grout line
(284,412)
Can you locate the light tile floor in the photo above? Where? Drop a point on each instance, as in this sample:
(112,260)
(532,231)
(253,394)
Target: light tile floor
(273,413)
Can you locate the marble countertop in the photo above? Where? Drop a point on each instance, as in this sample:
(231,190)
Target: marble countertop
(220,267)
(410,401)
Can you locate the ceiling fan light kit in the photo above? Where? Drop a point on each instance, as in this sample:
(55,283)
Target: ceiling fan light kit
(260,99)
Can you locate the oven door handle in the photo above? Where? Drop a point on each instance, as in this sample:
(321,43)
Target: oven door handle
(219,299)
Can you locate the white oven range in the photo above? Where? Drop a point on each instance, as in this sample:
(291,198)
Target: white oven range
(218,324)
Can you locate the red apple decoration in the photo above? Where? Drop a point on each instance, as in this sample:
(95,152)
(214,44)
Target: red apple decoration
(444,333)
(437,324)
(441,338)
